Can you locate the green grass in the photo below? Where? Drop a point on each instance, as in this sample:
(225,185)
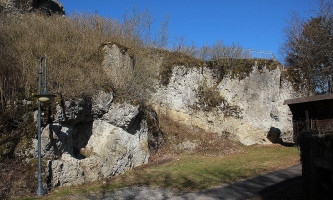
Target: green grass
(191,173)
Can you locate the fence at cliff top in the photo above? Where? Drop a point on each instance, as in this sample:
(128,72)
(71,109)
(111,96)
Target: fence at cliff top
(260,54)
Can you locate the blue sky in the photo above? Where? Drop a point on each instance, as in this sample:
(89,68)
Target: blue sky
(253,24)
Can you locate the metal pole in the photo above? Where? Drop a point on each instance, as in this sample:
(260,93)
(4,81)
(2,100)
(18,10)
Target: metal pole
(45,90)
(40,190)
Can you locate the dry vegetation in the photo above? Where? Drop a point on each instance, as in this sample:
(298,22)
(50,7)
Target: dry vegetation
(209,97)
(17,179)
(73,48)
(204,143)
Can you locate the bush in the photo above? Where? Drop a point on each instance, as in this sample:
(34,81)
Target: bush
(16,125)
(209,97)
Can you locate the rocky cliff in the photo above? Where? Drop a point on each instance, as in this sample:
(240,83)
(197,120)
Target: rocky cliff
(249,110)
(48,7)
(88,140)
(96,138)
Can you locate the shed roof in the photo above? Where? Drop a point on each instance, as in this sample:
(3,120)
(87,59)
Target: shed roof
(308,99)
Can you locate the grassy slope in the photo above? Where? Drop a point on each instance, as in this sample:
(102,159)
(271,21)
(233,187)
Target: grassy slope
(191,172)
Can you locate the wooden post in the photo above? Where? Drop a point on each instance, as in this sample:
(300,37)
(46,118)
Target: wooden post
(307,119)
(296,133)
(332,181)
(310,124)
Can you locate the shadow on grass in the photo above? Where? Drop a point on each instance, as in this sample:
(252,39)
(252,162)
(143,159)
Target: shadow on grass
(287,144)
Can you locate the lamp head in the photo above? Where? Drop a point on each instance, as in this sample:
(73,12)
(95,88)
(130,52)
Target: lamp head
(44,97)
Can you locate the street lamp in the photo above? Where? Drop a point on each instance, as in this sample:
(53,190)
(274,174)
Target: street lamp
(42,97)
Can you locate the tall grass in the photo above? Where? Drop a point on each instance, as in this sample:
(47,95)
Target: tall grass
(73,47)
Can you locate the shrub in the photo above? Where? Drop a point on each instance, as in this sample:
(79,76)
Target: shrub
(209,97)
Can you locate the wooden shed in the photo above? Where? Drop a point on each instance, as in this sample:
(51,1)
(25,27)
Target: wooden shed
(313,132)
(314,113)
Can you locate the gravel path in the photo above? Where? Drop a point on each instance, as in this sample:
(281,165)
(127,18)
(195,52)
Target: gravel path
(129,193)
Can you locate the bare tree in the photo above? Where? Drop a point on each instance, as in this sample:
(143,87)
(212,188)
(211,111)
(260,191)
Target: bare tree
(139,26)
(308,47)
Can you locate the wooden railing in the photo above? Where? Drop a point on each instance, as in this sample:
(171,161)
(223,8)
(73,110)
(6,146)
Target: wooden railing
(312,125)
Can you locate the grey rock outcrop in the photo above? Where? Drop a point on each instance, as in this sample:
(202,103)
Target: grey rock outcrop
(73,112)
(122,115)
(56,139)
(101,103)
(246,108)
(118,64)
(47,7)
(93,139)
(109,151)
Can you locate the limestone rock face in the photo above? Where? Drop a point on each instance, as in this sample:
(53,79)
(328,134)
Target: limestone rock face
(118,64)
(122,115)
(260,96)
(20,6)
(246,108)
(55,140)
(180,93)
(65,171)
(73,112)
(93,139)
(109,151)
(101,103)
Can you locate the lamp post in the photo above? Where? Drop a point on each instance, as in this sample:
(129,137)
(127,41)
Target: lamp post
(42,97)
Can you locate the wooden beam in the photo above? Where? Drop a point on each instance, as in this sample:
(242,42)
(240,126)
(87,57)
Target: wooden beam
(308,99)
